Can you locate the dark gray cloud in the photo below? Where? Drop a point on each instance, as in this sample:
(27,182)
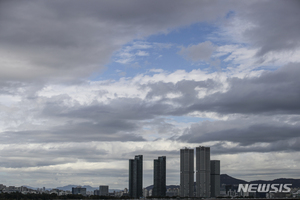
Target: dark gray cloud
(122,108)
(276,25)
(246,131)
(77,132)
(15,156)
(161,126)
(10,87)
(201,51)
(66,40)
(274,92)
(246,135)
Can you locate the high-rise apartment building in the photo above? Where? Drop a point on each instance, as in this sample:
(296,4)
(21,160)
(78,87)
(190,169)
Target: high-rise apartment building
(186,172)
(103,190)
(202,171)
(215,178)
(136,177)
(159,177)
(79,190)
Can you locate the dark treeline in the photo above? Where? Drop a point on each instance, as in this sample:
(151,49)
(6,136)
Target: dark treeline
(44,196)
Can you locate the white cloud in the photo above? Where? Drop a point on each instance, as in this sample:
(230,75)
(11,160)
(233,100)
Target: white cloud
(142,53)
(156,70)
(130,52)
(9,100)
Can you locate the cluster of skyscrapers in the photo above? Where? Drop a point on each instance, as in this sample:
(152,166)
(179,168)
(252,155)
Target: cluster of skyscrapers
(207,175)
(136,177)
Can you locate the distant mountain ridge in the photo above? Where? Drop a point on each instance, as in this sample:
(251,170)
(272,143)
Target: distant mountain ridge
(228,180)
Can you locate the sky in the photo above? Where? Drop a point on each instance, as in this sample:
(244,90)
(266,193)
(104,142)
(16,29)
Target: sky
(87,85)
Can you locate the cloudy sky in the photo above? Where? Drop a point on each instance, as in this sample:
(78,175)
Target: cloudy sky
(87,85)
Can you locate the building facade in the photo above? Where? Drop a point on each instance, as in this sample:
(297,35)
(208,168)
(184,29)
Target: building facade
(136,177)
(215,178)
(145,192)
(186,172)
(203,171)
(79,190)
(103,190)
(159,177)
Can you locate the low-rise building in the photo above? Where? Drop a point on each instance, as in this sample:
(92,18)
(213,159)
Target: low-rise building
(145,192)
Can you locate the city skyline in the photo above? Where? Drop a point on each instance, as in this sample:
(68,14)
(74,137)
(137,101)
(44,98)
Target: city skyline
(86,86)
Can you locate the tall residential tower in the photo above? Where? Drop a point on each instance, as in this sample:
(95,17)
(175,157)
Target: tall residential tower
(215,178)
(202,171)
(159,178)
(103,190)
(186,172)
(136,177)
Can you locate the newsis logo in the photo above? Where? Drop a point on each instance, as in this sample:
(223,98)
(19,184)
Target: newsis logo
(265,187)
